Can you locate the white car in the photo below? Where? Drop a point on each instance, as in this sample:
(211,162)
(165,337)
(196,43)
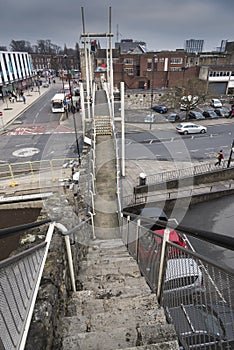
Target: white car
(216,103)
(183,274)
(190,128)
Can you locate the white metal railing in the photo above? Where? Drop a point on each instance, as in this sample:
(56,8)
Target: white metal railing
(20,278)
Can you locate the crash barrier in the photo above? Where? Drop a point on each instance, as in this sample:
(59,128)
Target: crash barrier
(196,293)
(52,167)
(20,277)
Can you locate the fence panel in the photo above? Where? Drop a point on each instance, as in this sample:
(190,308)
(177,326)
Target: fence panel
(18,278)
(196,293)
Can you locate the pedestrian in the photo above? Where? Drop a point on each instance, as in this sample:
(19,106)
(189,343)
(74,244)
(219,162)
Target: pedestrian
(24,99)
(219,157)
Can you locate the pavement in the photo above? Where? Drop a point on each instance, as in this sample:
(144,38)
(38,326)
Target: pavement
(12,110)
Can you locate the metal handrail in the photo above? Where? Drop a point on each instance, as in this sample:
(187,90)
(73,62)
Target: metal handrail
(20,277)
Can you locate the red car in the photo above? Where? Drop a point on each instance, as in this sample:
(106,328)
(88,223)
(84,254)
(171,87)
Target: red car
(174,237)
(150,245)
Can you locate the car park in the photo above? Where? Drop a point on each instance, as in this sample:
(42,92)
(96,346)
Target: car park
(210,113)
(160,109)
(216,103)
(203,327)
(195,115)
(150,118)
(190,128)
(173,117)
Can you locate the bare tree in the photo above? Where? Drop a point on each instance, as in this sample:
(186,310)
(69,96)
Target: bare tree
(21,46)
(185,95)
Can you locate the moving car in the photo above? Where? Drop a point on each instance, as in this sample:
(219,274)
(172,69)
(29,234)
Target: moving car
(160,109)
(210,113)
(173,117)
(203,327)
(195,115)
(216,103)
(190,128)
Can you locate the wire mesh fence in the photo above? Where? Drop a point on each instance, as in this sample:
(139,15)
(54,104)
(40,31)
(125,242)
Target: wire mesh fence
(197,293)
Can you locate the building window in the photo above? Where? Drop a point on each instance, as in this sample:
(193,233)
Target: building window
(128,61)
(129,71)
(177,60)
(149,64)
(162,59)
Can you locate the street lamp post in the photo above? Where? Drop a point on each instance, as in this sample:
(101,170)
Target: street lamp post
(72,109)
(154,63)
(230,155)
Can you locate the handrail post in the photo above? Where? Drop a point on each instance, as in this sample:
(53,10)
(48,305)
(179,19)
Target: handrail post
(62,228)
(92,221)
(165,239)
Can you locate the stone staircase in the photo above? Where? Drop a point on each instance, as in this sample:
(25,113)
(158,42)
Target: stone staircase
(102,125)
(115,308)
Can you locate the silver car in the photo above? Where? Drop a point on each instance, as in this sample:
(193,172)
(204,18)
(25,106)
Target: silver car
(190,128)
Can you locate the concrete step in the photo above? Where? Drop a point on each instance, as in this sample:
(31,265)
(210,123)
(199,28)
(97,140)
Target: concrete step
(169,345)
(120,338)
(84,302)
(127,287)
(122,312)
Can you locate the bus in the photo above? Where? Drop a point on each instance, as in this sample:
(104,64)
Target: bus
(58,103)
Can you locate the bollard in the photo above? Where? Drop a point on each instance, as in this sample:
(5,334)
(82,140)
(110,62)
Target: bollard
(142,179)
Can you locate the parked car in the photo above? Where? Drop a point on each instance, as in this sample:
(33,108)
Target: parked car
(174,237)
(223,112)
(150,244)
(216,103)
(195,115)
(203,327)
(190,128)
(183,275)
(173,117)
(160,109)
(150,118)
(210,113)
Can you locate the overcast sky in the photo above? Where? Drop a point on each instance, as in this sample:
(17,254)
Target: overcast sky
(162,24)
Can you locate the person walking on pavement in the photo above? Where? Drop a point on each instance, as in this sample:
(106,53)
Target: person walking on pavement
(219,157)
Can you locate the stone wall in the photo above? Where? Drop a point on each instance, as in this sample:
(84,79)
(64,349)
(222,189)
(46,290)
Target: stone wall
(141,99)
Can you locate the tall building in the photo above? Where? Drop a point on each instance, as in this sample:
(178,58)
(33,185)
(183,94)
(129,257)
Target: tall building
(194,45)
